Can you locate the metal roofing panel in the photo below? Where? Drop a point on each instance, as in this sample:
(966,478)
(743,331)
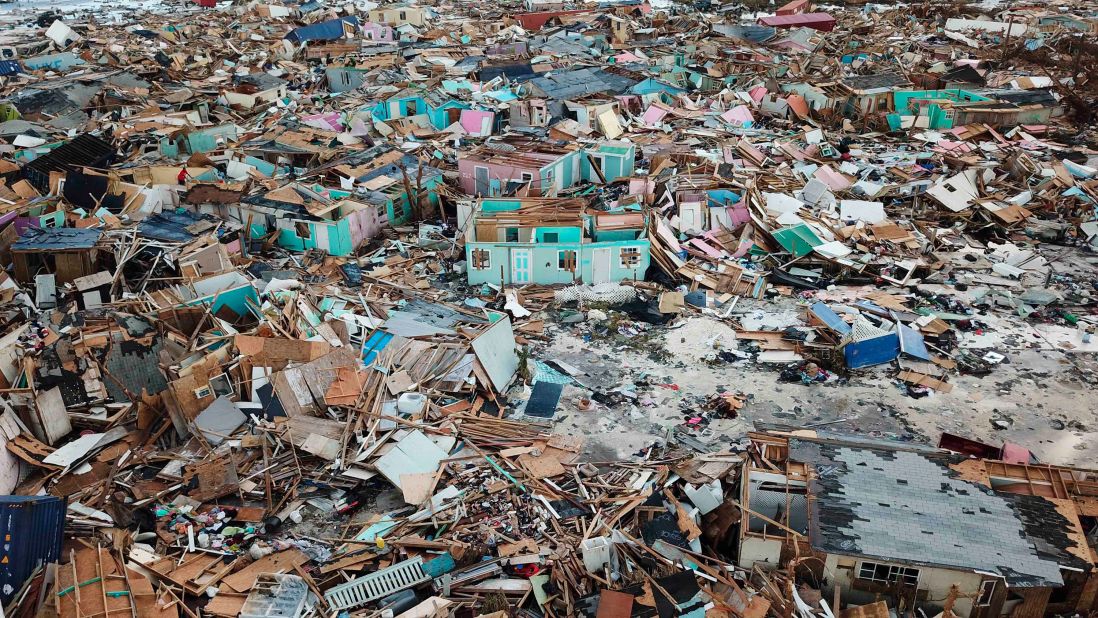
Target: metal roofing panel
(57,239)
(828,316)
(32,528)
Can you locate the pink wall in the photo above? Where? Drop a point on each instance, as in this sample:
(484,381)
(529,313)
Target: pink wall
(376,32)
(364,225)
(496,171)
(472,120)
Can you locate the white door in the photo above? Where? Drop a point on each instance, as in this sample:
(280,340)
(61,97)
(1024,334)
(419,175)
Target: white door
(520,266)
(322,237)
(600,266)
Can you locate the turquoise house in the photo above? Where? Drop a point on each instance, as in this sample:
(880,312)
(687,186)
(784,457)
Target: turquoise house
(230,291)
(407,102)
(614,159)
(199,140)
(339,221)
(653,86)
(442,109)
(521,241)
(936,105)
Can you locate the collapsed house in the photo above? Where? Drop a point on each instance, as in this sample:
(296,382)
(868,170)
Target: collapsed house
(1004,539)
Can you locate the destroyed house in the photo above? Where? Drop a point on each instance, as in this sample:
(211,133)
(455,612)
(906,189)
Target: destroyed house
(330,30)
(503,167)
(566,85)
(437,105)
(548,240)
(816,21)
(921,527)
(866,94)
(400,15)
(190,140)
(388,179)
(284,147)
(313,218)
(381,33)
(68,253)
(256,89)
(344,78)
(946,109)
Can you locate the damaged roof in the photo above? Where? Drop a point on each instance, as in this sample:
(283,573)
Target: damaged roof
(909,507)
(57,239)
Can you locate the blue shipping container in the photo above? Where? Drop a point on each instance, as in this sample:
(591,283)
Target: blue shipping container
(31,528)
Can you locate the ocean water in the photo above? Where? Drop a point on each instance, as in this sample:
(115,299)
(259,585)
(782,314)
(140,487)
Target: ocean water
(110,10)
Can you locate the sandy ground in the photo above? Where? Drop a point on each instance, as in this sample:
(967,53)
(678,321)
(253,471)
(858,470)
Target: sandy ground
(1042,397)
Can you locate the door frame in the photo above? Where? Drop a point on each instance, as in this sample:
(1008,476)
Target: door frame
(516,253)
(604,256)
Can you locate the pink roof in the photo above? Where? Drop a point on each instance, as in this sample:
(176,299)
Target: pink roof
(795,6)
(819,21)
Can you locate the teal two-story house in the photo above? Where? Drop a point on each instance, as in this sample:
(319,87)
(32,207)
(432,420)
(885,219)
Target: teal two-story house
(548,241)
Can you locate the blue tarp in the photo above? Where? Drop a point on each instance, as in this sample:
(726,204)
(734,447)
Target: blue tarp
(324,31)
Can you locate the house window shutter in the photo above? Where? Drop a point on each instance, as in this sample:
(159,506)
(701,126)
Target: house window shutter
(630,257)
(482,259)
(566,260)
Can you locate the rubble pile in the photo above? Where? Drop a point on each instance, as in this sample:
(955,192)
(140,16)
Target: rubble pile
(629,308)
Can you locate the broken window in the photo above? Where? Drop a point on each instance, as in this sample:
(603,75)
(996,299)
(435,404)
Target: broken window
(303,230)
(482,259)
(512,234)
(550,237)
(398,210)
(566,260)
(221,385)
(630,257)
(987,591)
(888,574)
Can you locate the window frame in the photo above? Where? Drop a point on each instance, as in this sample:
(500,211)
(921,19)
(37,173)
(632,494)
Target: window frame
(894,574)
(631,251)
(987,594)
(487,262)
(562,257)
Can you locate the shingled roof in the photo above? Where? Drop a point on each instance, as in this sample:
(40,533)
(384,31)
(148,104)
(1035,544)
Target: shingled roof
(909,507)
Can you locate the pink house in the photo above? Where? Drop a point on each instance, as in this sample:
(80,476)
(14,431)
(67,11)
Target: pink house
(372,31)
(489,171)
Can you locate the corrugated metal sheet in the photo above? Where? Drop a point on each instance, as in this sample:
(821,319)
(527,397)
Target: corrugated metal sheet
(31,528)
(83,150)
